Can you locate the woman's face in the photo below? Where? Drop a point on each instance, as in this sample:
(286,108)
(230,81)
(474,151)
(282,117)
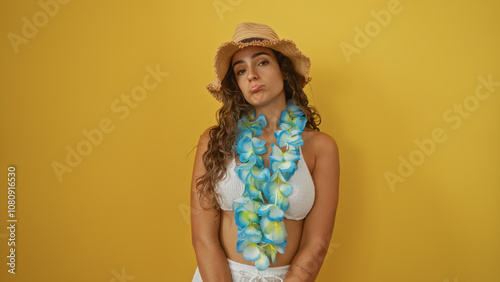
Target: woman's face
(258,75)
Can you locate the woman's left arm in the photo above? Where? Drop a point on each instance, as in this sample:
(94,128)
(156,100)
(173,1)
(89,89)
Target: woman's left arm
(318,225)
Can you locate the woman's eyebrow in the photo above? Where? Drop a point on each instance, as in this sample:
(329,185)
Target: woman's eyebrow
(253,56)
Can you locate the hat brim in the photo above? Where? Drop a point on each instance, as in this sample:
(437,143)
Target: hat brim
(301,62)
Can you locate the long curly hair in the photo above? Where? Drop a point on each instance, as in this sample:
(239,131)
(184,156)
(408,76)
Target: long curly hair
(221,146)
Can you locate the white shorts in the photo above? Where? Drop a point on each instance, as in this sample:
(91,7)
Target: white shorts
(244,272)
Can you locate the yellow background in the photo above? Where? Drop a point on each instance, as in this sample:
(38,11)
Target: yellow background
(123,211)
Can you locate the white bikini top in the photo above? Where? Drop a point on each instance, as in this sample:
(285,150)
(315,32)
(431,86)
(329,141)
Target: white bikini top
(301,199)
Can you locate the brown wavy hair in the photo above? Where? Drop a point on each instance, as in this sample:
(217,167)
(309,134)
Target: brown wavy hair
(221,146)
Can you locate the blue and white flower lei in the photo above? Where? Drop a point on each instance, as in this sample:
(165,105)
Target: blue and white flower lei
(259,212)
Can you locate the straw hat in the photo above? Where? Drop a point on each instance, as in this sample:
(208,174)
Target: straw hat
(255,34)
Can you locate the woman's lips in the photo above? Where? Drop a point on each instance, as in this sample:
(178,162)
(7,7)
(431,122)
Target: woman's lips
(255,88)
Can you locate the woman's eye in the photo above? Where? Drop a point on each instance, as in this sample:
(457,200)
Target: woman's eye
(263,63)
(240,72)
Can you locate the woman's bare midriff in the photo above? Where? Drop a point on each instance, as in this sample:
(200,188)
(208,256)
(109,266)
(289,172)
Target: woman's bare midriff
(228,238)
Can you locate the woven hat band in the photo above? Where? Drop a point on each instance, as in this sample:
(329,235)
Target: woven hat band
(251,39)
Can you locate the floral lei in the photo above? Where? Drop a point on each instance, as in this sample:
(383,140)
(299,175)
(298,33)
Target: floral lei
(259,212)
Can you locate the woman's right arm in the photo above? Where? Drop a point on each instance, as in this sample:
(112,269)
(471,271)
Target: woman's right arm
(211,259)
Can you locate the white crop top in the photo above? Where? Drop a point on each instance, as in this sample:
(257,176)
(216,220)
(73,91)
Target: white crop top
(301,199)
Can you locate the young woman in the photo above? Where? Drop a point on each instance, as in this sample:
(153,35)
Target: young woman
(265,179)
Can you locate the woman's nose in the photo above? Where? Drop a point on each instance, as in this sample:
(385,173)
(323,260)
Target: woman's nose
(252,73)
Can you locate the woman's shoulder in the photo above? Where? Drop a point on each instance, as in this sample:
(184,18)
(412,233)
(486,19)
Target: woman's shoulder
(322,151)
(319,141)
(204,140)
(205,136)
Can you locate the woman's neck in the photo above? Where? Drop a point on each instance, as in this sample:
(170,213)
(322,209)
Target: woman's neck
(273,115)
